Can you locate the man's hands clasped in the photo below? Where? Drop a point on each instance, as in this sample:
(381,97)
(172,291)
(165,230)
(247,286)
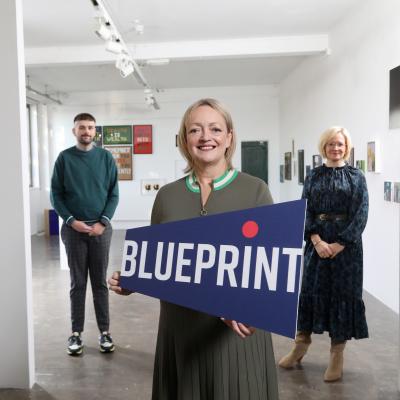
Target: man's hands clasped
(96,229)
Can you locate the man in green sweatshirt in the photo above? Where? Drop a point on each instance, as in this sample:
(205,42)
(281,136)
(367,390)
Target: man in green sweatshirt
(84,193)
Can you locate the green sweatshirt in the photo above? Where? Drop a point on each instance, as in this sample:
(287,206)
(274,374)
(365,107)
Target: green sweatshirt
(84,185)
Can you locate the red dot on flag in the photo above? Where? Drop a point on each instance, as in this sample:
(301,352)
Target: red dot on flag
(250,229)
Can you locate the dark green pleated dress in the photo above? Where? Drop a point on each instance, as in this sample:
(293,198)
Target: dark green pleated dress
(197,356)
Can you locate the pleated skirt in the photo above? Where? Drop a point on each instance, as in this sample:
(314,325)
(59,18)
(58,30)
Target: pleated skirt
(199,358)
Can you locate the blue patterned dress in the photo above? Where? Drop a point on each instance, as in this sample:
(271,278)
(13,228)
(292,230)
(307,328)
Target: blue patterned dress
(331,293)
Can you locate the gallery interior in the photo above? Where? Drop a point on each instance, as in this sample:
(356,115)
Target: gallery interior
(286,70)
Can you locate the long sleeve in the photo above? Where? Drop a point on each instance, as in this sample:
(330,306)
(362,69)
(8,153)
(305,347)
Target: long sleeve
(263,195)
(310,226)
(358,212)
(57,193)
(113,193)
(156,212)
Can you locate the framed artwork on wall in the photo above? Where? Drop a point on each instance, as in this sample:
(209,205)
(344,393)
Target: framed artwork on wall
(300,157)
(281,173)
(396,192)
(316,160)
(117,134)
(371,156)
(387,191)
(143,139)
(288,166)
(98,139)
(350,161)
(123,158)
(394,98)
(360,164)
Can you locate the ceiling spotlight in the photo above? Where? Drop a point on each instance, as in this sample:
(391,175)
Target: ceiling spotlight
(114,46)
(103,31)
(125,65)
(149,97)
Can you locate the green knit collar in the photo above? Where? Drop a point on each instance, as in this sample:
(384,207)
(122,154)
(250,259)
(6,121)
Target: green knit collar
(218,184)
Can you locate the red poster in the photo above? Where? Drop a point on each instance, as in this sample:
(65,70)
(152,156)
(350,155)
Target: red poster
(142,139)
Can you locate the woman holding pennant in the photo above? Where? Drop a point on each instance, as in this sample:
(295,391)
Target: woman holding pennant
(199,356)
(331,293)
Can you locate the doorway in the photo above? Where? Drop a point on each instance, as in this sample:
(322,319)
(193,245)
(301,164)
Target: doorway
(255,159)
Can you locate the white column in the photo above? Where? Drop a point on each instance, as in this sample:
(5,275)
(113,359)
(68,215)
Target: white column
(34,145)
(43,135)
(16,333)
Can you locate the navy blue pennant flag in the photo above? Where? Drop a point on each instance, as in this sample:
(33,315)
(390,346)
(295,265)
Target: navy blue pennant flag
(242,265)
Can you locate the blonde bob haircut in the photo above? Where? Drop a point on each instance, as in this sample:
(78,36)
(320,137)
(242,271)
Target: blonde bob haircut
(182,135)
(329,134)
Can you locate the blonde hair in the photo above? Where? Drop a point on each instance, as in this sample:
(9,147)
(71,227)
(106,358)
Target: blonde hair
(182,135)
(329,134)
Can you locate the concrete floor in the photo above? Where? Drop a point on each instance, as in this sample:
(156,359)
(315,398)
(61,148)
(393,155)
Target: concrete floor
(370,372)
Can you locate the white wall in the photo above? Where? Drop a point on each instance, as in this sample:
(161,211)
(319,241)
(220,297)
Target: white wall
(16,333)
(351,88)
(254,110)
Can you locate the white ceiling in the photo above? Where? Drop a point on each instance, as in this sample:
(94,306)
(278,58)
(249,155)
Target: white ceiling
(56,28)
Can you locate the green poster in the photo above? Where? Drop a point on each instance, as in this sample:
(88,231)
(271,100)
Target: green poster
(117,134)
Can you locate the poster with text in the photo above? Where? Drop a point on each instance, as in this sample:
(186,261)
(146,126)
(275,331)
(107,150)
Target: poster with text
(123,158)
(117,134)
(143,139)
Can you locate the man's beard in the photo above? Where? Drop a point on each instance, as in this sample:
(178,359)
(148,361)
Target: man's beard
(85,140)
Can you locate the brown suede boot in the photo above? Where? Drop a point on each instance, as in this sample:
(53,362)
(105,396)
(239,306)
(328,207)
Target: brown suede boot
(335,368)
(301,344)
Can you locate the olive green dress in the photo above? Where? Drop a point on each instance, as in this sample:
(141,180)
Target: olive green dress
(197,356)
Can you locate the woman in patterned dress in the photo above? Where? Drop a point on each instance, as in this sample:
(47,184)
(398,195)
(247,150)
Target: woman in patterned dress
(331,293)
(200,356)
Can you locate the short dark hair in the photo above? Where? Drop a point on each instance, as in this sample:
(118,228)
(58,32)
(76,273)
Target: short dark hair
(84,117)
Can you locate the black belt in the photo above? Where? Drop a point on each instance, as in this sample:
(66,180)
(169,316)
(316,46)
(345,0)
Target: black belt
(331,217)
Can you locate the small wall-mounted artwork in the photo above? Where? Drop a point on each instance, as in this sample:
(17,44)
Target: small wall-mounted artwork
(123,158)
(316,160)
(350,161)
(373,157)
(176,140)
(117,134)
(396,192)
(281,173)
(394,99)
(387,191)
(288,166)
(300,158)
(150,187)
(98,139)
(360,164)
(143,139)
